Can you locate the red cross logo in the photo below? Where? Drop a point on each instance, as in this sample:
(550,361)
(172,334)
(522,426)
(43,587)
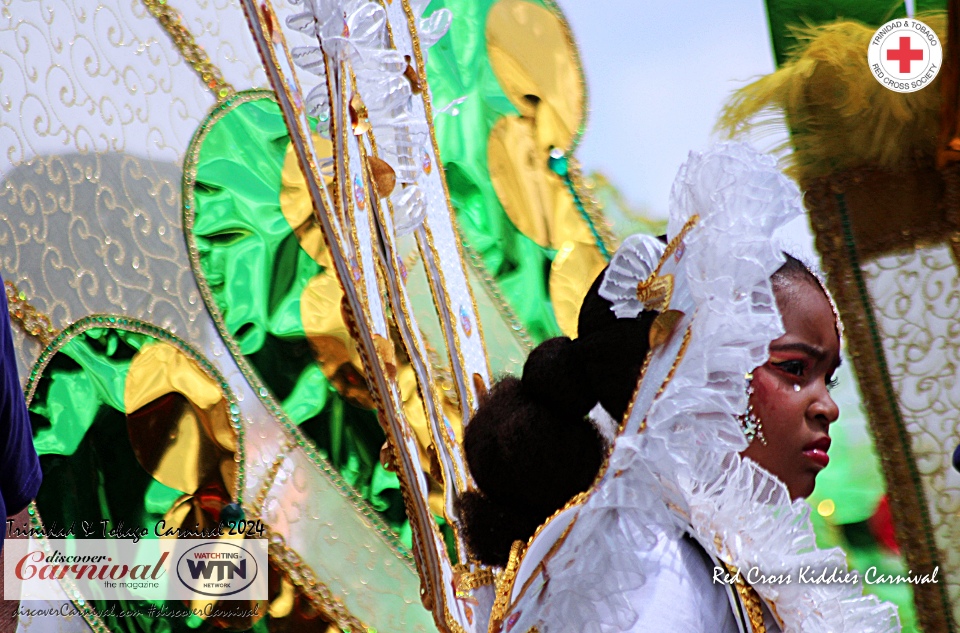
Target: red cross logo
(905,55)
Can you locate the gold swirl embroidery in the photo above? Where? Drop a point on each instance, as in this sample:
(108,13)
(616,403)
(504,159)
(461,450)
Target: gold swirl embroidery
(31,320)
(192,52)
(898,301)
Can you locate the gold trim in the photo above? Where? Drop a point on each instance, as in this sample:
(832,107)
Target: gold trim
(315,591)
(448,317)
(492,290)
(466,580)
(32,321)
(583,497)
(908,503)
(270,477)
(412,338)
(505,582)
(675,243)
(428,111)
(591,206)
(293,434)
(750,599)
(192,53)
(576,500)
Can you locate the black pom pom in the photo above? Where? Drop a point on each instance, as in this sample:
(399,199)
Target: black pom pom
(527,457)
(490,530)
(956,458)
(553,375)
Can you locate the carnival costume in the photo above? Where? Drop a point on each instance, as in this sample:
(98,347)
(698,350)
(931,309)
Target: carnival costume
(275,272)
(675,467)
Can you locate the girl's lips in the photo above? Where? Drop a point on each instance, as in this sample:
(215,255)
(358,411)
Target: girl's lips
(818,456)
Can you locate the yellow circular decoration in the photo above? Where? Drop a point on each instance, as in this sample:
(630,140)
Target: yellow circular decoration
(526,189)
(535,60)
(826,508)
(573,271)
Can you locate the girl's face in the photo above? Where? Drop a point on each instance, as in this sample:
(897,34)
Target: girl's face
(791,390)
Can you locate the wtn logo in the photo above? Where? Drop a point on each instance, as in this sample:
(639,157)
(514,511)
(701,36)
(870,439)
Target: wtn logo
(217,568)
(224,569)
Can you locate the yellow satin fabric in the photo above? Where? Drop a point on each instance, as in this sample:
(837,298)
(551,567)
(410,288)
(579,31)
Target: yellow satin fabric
(188,450)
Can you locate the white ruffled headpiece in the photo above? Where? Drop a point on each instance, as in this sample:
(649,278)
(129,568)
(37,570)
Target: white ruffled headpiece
(676,463)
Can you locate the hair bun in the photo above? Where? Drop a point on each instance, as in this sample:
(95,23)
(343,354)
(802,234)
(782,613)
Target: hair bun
(554,376)
(490,529)
(526,457)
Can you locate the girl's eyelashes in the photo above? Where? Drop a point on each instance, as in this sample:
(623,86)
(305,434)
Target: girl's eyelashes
(792,367)
(832,383)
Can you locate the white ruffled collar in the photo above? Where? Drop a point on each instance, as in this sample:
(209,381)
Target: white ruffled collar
(677,464)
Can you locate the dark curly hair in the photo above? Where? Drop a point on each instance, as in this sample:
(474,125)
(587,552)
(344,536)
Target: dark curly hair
(530,446)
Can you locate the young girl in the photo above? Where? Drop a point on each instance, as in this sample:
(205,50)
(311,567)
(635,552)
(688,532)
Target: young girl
(693,523)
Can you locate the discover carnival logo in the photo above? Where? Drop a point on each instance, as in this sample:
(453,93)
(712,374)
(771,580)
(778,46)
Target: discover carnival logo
(905,55)
(150,569)
(217,568)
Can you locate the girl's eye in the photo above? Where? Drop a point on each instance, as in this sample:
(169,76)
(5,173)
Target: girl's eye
(794,367)
(832,383)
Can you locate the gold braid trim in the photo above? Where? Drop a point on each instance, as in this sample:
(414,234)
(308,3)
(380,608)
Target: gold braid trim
(676,242)
(505,585)
(750,598)
(32,321)
(467,580)
(192,52)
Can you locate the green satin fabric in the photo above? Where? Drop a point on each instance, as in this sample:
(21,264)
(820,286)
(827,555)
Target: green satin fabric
(784,14)
(458,66)
(90,472)
(256,271)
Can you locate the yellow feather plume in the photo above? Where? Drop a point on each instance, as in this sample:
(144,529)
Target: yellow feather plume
(838,114)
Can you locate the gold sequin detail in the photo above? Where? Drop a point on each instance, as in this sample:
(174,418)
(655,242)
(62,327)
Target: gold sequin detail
(32,321)
(192,52)
(751,600)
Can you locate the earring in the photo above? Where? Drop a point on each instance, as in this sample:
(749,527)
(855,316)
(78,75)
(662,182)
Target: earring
(750,424)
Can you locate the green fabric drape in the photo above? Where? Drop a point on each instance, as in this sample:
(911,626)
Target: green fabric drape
(256,271)
(458,66)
